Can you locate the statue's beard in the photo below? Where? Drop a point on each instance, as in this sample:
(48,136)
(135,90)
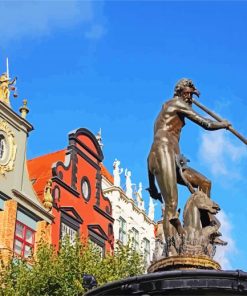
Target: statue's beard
(188,101)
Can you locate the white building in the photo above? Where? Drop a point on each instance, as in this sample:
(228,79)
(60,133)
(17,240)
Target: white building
(131,220)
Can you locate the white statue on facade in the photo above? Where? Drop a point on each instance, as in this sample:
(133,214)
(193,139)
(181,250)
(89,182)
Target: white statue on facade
(128,183)
(117,172)
(140,190)
(99,138)
(151,208)
(140,201)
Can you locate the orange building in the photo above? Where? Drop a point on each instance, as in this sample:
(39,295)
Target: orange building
(71,180)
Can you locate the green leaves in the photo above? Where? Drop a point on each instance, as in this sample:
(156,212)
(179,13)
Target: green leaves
(60,273)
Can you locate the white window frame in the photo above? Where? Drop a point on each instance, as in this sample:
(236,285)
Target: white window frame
(146,249)
(136,239)
(122,230)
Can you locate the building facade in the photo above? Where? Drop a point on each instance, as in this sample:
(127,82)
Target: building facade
(23,218)
(71,179)
(131,220)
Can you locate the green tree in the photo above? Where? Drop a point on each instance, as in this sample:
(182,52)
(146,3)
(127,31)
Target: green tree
(61,273)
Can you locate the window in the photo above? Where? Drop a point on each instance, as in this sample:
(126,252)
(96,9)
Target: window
(67,231)
(24,240)
(99,248)
(146,249)
(70,225)
(1,203)
(85,188)
(135,239)
(122,230)
(98,238)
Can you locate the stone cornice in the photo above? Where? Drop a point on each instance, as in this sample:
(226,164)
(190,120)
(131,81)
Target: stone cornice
(65,186)
(99,210)
(38,209)
(126,199)
(15,118)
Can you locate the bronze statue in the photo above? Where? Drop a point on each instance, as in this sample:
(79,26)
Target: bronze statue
(165,163)
(200,222)
(192,242)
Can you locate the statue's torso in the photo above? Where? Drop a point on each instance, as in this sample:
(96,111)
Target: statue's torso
(168,124)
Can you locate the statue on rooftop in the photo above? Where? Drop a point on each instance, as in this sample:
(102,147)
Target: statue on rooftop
(129,190)
(139,198)
(99,138)
(117,172)
(5,87)
(151,209)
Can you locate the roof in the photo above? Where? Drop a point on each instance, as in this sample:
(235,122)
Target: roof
(40,170)
(106,174)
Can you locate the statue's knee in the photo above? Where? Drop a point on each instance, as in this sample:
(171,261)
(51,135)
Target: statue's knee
(171,206)
(207,184)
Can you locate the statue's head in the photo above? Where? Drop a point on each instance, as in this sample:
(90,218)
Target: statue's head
(203,202)
(185,85)
(4,77)
(116,163)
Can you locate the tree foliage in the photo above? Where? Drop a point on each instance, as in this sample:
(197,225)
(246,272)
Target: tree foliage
(61,273)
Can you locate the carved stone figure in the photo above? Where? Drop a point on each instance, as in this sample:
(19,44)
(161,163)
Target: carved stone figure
(164,157)
(140,201)
(117,172)
(99,138)
(151,209)
(128,183)
(48,199)
(139,191)
(5,84)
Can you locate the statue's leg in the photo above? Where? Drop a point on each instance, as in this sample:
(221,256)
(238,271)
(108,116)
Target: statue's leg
(196,179)
(166,177)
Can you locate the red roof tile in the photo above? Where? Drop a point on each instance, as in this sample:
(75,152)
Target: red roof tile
(106,173)
(40,170)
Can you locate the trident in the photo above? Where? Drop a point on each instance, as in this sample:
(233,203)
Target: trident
(215,116)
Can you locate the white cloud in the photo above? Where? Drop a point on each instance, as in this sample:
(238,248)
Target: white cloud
(223,253)
(36,18)
(220,155)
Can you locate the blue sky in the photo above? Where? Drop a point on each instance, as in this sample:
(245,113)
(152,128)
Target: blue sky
(112,64)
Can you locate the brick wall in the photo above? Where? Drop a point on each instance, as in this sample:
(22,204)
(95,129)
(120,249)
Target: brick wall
(43,232)
(7,229)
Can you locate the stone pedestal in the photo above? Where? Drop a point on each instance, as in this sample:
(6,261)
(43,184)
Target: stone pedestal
(184,263)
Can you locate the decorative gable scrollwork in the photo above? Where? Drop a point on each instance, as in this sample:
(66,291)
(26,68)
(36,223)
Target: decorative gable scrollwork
(7,148)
